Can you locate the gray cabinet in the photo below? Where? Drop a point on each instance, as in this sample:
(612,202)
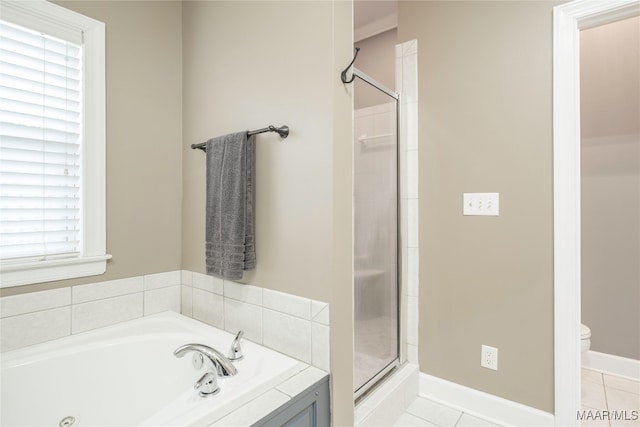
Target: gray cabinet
(308,409)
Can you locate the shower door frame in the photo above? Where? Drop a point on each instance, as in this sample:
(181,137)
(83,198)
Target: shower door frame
(373,381)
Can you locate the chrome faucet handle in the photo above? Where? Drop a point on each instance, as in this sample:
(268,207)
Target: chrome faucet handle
(236,351)
(208,385)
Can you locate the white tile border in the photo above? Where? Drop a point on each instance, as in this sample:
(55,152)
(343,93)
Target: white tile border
(287,334)
(162,280)
(37,301)
(163,299)
(320,312)
(245,293)
(320,344)
(208,307)
(407,81)
(243,316)
(105,312)
(264,314)
(102,290)
(88,306)
(287,303)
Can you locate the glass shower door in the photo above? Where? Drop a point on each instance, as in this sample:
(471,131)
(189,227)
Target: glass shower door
(376,293)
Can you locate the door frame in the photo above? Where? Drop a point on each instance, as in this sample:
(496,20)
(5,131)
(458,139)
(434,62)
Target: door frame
(568,20)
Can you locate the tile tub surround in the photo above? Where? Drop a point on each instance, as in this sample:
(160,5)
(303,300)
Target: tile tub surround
(37,317)
(295,326)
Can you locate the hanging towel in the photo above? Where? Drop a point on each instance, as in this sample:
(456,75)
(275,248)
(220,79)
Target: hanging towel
(230,245)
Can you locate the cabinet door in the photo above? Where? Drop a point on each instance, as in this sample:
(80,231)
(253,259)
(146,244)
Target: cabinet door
(305,418)
(308,409)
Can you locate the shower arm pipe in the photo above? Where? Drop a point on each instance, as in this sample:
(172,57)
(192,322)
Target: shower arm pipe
(283,131)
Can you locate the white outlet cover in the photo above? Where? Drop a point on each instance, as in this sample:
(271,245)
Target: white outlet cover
(489,357)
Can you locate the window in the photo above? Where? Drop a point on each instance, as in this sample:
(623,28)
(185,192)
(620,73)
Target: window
(52,144)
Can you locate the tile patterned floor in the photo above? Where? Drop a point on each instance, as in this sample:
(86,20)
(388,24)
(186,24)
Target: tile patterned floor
(425,412)
(600,392)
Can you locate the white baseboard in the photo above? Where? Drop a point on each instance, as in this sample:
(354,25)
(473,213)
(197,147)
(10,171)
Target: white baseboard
(482,405)
(611,364)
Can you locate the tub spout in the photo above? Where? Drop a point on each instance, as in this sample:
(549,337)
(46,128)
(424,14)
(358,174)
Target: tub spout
(223,366)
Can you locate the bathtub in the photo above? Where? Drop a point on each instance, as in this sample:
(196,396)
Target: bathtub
(127,375)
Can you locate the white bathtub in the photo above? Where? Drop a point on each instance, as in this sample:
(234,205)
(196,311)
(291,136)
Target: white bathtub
(127,375)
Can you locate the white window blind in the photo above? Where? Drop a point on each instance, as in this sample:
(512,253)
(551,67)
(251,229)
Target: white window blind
(40,145)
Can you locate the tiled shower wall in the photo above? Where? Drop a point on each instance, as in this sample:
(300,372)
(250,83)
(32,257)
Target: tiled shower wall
(296,326)
(407,86)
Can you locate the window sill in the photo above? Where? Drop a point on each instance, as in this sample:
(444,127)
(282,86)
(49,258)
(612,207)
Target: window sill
(47,271)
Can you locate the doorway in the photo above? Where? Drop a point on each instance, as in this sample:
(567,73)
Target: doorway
(569,19)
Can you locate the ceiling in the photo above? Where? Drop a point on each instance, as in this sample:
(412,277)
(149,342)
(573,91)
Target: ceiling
(374,15)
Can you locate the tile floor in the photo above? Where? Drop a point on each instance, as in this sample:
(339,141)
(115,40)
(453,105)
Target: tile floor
(600,392)
(425,412)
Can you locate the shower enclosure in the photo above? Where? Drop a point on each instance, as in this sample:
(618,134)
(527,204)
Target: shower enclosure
(376,259)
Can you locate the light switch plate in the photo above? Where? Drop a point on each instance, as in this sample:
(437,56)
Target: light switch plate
(485,204)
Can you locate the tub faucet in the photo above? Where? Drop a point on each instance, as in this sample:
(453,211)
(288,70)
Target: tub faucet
(223,366)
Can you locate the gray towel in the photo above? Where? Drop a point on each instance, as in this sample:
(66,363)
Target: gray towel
(230,246)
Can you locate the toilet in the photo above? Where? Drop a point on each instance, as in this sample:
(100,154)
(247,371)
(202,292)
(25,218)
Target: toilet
(585,338)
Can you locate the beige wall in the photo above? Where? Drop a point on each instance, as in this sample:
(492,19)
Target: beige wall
(610,128)
(609,84)
(251,64)
(377,59)
(144,130)
(485,108)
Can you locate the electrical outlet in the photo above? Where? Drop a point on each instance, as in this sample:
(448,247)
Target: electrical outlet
(489,357)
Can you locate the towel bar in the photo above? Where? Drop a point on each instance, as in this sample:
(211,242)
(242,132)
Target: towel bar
(283,131)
